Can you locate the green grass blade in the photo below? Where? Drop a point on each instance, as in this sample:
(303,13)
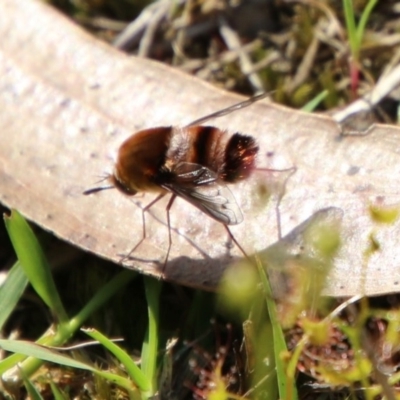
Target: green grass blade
(57,393)
(43,353)
(364,20)
(101,297)
(59,337)
(315,102)
(150,343)
(132,369)
(351,27)
(31,389)
(286,385)
(11,291)
(34,262)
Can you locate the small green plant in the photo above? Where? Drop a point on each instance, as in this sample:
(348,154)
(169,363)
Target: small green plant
(139,382)
(355,34)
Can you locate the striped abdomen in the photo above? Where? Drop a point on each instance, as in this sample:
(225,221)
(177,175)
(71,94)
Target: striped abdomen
(232,157)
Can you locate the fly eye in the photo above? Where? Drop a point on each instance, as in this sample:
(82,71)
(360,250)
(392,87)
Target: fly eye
(121,187)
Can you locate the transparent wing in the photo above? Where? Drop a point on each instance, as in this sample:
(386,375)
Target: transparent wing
(199,186)
(230,109)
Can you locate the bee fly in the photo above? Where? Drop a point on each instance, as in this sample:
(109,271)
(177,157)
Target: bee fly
(193,162)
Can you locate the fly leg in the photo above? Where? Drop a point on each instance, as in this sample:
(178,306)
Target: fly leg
(144,210)
(169,205)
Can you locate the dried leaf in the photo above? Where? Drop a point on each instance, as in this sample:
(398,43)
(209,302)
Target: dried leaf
(68,101)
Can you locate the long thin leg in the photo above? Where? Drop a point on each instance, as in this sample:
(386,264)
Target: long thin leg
(147,208)
(235,241)
(169,205)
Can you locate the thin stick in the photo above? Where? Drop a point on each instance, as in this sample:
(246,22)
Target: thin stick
(233,42)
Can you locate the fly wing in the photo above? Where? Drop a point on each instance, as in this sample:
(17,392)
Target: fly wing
(191,174)
(229,109)
(199,186)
